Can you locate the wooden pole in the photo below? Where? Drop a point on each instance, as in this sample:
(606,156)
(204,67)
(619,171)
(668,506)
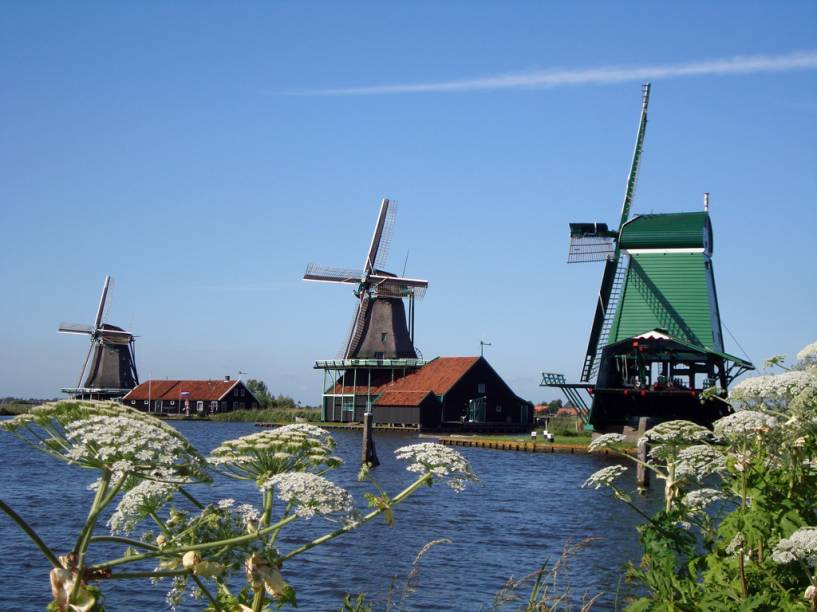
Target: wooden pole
(368,456)
(642,475)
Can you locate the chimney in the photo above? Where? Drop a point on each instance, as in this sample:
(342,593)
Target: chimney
(227,378)
(706,201)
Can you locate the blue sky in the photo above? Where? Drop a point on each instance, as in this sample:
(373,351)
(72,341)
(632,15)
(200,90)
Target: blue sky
(192,151)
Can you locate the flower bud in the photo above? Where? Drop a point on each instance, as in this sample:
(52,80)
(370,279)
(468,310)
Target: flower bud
(811,593)
(190,559)
(161,540)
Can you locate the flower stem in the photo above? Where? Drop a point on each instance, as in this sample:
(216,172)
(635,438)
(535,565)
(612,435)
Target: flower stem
(204,546)
(31,534)
(331,536)
(194,501)
(145,574)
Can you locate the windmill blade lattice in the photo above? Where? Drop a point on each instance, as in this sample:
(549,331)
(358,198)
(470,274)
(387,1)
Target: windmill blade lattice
(326,274)
(382,256)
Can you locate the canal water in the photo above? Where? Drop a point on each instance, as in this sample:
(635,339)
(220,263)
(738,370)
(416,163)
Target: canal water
(521,515)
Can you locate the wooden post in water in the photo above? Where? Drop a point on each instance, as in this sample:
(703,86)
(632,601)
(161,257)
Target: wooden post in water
(368,456)
(642,475)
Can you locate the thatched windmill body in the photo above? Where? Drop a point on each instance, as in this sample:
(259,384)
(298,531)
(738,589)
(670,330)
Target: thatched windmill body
(109,368)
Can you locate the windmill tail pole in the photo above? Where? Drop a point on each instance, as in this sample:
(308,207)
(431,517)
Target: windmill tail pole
(368,455)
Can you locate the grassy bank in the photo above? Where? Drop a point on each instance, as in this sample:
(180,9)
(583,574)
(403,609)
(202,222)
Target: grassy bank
(15,407)
(269,415)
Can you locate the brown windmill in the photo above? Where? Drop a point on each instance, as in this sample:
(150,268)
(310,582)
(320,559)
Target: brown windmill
(112,371)
(379,329)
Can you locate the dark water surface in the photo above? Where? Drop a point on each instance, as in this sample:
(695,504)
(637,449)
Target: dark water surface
(521,514)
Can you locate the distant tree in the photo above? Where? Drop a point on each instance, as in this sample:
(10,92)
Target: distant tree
(554,405)
(284,401)
(260,391)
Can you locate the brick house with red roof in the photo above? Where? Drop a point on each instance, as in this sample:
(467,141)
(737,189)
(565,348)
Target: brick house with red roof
(452,390)
(191,396)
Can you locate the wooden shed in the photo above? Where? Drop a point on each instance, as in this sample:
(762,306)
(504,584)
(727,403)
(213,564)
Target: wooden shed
(451,390)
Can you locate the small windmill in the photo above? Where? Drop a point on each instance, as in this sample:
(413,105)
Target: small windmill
(379,329)
(113,367)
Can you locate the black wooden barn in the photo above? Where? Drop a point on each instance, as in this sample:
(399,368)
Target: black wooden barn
(451,391)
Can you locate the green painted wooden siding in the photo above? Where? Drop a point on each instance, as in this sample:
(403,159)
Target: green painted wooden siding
(668,291)
(666,231)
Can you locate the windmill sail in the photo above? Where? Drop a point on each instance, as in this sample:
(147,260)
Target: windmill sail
(615,267)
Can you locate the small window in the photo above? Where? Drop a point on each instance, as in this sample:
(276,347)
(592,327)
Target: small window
(133,402)
(213,406)
(147,402)
(200,406)
(499,407)
(378,355)
(172,402)
(481,388)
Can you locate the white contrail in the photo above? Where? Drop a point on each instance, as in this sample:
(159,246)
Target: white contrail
(540,79)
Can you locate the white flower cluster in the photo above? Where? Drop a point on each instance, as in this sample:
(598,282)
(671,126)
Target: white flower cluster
(439,461)
(604,477)
(122,444)
(678,433)
(699,461)
(107,435)
(799,546)
(311,494)
(699,499)
(247,513)
(605,441)
(743,423)
(808,356)
(289,448)
(140,502)
(775,389)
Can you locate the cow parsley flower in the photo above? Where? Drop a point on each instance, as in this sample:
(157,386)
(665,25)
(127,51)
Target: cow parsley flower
(440,462)
(311,494)
(604,477)
(605,441)
(776,390)
(258,456)
(698,461)
(122,444)
(698,500)
(678,433)
(808,356)
(107,435)
(743,423)
(799,546)
(139,503)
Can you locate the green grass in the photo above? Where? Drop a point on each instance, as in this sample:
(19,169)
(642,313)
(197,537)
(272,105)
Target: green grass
(13,408)
(269,415)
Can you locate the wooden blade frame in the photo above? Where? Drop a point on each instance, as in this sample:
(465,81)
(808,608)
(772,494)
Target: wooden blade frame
(371,256)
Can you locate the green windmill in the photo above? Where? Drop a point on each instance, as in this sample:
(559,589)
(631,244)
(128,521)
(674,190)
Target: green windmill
(656,341)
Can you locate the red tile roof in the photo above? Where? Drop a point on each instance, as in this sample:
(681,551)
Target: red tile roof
(402,398)
(437,376)
(172,389)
